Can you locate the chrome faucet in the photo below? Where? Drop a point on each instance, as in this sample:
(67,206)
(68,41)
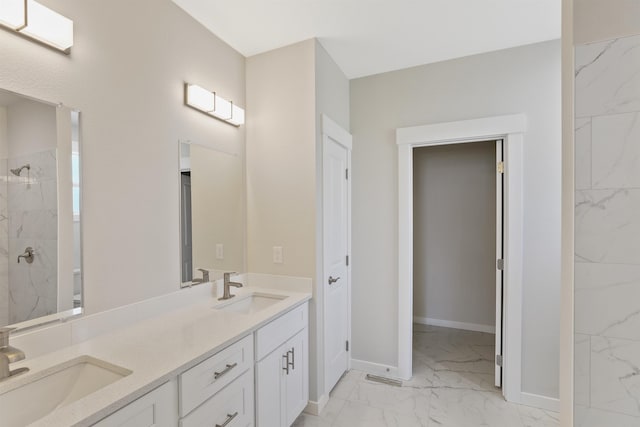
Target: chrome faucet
(205,277)
(9,355)
(227,285)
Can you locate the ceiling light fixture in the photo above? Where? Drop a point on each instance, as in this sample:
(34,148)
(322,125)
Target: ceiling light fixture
(210,103)
(35,21)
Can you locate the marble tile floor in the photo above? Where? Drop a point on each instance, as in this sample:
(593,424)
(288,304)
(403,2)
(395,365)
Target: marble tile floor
(452,387)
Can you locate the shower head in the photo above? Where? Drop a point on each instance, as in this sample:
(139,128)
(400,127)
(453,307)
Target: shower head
(18,171)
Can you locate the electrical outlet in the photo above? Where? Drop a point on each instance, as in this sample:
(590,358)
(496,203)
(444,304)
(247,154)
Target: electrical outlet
(277,254)
(219,251)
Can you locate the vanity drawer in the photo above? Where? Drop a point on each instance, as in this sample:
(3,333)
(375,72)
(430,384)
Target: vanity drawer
(233,405)
(210,376)
(271,336)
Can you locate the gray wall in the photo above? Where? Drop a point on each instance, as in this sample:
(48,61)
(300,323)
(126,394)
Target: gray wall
(520,80)
(288,89)
(126,74)
(281,160)
(454,235)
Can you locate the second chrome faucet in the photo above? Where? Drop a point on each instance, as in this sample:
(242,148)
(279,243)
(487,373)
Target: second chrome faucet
(226,294)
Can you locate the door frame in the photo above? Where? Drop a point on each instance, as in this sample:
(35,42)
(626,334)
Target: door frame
(511,129)
(331,130)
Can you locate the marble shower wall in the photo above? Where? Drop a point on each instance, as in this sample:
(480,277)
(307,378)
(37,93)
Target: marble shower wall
(33,221)
(4,246)
(607,233)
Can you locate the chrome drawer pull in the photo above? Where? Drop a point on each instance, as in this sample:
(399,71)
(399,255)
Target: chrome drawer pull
(293,358)
(286,362)
(217,375)
(230,418)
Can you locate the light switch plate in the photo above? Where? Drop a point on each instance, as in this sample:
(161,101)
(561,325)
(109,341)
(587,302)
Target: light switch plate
(219,251)
(277,254)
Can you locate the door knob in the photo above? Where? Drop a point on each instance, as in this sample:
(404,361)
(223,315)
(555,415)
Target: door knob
(332,280)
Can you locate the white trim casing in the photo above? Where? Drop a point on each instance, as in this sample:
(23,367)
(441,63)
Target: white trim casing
(511,129)
(337,133)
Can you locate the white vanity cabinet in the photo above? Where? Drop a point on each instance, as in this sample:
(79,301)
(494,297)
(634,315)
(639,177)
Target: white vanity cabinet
(282,369)
(260,380)
(158,408)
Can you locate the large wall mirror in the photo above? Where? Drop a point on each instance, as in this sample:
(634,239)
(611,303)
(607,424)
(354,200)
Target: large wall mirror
(40,252)
(211,213)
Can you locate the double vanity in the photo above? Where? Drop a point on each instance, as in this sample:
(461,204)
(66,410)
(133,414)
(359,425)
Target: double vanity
(238,362)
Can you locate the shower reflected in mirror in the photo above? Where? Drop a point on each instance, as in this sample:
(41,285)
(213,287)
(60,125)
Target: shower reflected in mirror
(40,256)
(18,171)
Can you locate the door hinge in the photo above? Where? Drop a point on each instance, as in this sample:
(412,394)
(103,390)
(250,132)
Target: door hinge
(500,264)
(501,167)
(346,173)
(347,260)
(347,346)
(499,360)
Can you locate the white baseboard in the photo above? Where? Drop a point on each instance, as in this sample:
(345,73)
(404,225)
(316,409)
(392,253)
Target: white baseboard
(456,325)
(538,401)
(375,369)
(315,408)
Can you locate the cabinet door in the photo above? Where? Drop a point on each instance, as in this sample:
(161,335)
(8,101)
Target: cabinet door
(158,408)
(270,389)
(297,380)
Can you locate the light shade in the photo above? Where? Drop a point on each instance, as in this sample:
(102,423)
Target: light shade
(48,26)
(38,22)
(210,103)
(12,13)
(223,108)
(237,116)
(200,98)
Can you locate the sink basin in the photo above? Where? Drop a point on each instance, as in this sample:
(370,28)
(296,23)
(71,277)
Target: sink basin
(251,303)
(54,388)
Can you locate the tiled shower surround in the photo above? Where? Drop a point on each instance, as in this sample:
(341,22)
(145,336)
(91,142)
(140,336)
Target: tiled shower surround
(32,221)
(607,234)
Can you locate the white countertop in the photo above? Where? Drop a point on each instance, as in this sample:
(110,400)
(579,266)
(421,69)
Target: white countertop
(156,350)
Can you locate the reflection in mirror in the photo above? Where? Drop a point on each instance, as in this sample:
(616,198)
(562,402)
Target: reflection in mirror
(40,255)
(211,213)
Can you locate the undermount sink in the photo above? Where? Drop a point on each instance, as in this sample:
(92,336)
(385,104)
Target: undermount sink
(251,304)
(54,388)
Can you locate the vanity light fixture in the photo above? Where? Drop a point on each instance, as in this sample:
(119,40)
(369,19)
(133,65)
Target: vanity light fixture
(38,22)
(212,104)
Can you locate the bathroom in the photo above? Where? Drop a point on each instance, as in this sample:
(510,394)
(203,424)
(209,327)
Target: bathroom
(122,90)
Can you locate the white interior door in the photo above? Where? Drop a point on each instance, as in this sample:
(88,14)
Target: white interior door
(336,241)
(500,260)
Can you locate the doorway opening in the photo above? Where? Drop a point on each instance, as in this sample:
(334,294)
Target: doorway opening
(510,129)
(457,256)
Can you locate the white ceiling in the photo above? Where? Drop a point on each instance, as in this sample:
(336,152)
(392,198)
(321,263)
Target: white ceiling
(367,37)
